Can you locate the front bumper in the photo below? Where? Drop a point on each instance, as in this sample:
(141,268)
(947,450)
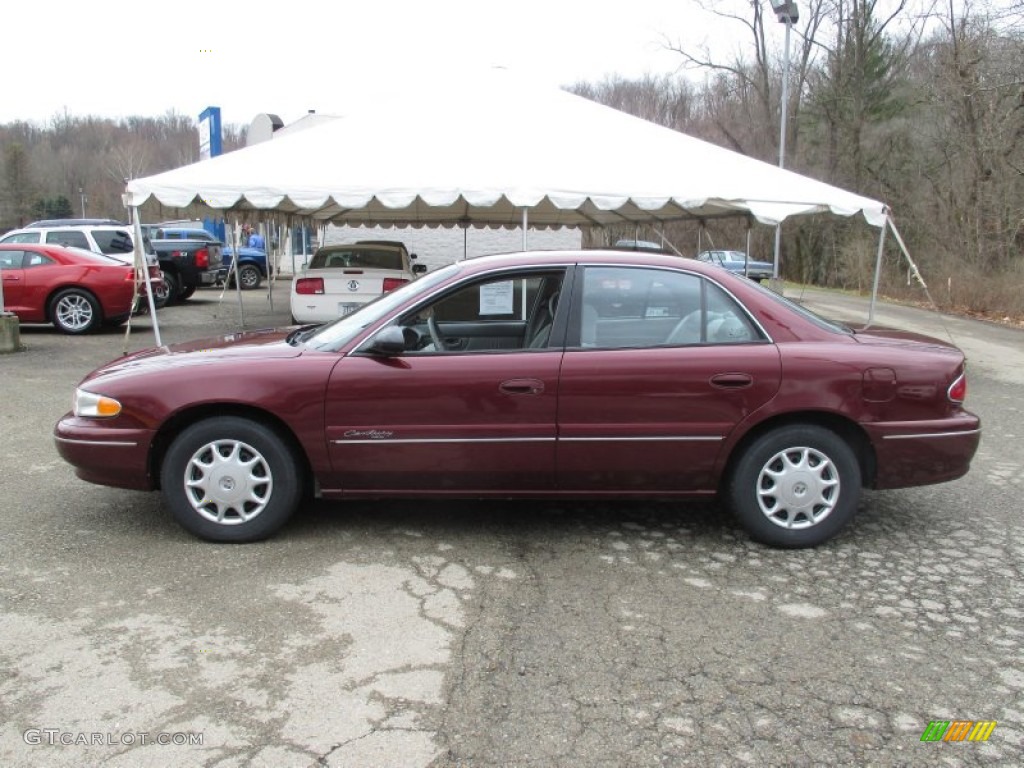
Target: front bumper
(104,455)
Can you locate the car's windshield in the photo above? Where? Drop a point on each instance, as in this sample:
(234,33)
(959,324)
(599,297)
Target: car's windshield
(337,333)
(814,317)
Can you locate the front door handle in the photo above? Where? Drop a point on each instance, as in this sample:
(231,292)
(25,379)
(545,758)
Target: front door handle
(732,380)
(522,387)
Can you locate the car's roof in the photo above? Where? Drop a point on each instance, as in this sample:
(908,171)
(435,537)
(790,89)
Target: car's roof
(590,256)
(375,245)
(49,223)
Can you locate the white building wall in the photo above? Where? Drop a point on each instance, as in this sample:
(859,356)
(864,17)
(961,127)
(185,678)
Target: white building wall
(438,247)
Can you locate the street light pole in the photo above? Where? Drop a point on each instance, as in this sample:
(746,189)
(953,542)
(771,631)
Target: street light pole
(81,193)
(786,12)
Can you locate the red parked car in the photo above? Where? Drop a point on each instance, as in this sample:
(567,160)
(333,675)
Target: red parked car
(75,289)
(571,374)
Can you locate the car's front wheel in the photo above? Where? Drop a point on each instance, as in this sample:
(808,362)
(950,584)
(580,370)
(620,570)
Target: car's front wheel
(75,311)
(231,479)
(796,486)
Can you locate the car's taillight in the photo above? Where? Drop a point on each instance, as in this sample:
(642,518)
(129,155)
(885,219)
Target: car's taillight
(390,283)
(202,258)
(310,286)
(129,276)
(957,391)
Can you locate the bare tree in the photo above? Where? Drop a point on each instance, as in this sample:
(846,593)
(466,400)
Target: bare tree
(744,92)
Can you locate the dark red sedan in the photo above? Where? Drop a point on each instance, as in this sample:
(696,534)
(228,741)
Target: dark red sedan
(76,290)
(556,374)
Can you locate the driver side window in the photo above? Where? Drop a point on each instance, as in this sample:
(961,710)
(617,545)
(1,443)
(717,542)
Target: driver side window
(511,312)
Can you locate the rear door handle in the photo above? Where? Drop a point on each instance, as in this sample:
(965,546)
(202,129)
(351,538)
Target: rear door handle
(732,380)
(522,387)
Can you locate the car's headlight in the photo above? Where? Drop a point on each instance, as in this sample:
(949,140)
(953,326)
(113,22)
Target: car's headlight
(94,406)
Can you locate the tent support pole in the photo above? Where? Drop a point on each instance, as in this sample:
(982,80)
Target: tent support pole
(878,273)
(746,256)
(525,221)
(140,259)
(233,270)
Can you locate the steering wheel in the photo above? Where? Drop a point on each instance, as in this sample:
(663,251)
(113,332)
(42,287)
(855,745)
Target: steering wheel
(435,334)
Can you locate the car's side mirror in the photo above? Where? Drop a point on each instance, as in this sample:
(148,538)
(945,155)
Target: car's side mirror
(419,269)
(391,341)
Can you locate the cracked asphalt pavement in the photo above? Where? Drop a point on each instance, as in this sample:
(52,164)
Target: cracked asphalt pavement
(445,634)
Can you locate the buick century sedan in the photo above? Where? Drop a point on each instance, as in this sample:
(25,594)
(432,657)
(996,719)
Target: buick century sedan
(535,375)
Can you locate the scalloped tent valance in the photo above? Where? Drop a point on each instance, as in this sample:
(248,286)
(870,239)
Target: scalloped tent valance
(480,153)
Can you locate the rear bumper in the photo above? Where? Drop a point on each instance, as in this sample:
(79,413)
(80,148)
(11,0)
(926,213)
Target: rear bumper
(922,453)
(105,456)
(211,276)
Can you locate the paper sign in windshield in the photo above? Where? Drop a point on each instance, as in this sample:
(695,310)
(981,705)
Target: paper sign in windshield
(496,298)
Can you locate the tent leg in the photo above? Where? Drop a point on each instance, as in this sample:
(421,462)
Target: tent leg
(746,256)
(233,270)
(878,273)
(140,258)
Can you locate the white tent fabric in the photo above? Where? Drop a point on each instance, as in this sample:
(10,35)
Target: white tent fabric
(480,152)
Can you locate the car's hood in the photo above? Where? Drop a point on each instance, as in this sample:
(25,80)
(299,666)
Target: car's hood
(895,337)
(263,344)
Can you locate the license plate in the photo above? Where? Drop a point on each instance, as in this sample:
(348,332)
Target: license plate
(346,309)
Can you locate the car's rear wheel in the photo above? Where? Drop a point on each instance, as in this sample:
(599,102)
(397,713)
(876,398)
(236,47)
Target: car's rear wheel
(75,311)
(161,294)
(796,486)
(231,479)
(186,292)
(173,285)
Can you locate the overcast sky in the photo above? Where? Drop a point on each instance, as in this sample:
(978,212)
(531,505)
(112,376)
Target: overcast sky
(113,58)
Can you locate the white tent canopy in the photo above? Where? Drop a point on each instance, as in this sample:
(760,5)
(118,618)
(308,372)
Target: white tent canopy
(483,151)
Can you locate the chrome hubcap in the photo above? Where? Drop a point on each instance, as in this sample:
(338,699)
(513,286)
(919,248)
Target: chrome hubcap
(74,312)
(228,482)
(798,488)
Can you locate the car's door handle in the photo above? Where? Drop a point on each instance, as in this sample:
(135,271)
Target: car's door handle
(11,278)
(522,387)
(732,380)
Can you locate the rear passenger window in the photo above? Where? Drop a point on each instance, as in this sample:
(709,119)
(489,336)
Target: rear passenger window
(68,237)
(635,306)
(643,307)
(113,240)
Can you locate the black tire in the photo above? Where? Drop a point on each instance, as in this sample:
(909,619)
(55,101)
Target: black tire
(75,311)
(795,486)
(249,276)
(173,283)
(186,293)
(253,487)
(161,295)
